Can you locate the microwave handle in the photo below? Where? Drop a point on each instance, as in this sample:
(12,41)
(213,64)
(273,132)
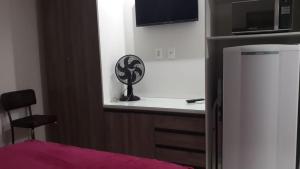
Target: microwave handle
(244,1)
(277,14)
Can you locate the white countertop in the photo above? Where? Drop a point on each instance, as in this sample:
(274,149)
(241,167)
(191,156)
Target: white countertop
(160,104)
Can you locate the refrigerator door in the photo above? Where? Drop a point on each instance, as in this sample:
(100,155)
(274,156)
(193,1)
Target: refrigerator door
(260,107)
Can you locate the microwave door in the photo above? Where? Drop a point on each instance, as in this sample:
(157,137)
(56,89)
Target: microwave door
(253,16)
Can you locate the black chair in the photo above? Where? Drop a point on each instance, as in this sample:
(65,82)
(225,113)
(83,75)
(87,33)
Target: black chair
(24,99)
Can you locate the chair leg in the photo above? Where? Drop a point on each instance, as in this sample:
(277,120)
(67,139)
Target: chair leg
(12,135)
(32,134)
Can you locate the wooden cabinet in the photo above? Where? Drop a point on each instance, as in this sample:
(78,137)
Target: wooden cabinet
(117,128)
(130,134)
(141,135)
(173,137)
(180,139)
(181,123)
(185,141)
(70,61)
(187,158)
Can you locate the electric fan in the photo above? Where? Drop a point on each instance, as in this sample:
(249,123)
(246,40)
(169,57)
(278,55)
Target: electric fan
(130,70)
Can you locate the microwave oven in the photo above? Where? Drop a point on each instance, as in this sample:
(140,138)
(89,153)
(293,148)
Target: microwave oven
(263,16)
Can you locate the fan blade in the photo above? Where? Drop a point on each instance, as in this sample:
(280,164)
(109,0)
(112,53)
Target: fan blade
(126,62)
(123,77)
(133,77)
(126,75)
(133,63)
(139,71)
(120,68)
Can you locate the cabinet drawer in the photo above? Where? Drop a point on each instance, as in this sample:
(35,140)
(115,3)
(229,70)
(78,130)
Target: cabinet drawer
(181,157)
(191,124)
(194,142)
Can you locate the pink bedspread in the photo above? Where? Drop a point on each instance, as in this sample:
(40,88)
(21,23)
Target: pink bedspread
(42,155)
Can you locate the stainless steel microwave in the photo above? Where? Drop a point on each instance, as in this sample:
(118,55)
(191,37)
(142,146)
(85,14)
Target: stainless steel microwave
(262,16)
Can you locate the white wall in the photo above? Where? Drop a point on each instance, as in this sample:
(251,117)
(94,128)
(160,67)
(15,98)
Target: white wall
(112,42)
(183,77)
(19,58)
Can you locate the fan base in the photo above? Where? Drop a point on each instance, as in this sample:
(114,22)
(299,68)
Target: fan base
(130,99)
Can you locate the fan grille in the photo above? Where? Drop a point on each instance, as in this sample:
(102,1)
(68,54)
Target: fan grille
(130,69)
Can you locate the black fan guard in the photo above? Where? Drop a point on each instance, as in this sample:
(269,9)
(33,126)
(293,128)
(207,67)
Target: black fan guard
(130,96)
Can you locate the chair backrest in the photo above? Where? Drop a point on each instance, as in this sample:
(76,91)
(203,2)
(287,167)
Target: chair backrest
(18,99)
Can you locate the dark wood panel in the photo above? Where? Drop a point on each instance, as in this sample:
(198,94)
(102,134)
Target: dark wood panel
(182,157)
(141,140)
(191,124)
(193,142)
(71,65)
(130,133)
(117,132)
(54,65)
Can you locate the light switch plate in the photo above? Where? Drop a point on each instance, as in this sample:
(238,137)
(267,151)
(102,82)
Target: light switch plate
(159,53)
(171,53)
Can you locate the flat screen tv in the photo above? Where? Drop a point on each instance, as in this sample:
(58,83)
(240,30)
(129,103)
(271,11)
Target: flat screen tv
(156,12)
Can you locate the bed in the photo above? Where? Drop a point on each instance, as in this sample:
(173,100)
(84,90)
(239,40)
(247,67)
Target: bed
(45,155)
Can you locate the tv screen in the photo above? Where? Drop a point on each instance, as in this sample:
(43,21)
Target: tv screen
(155,12)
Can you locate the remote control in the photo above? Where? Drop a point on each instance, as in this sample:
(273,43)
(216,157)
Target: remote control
(194,100)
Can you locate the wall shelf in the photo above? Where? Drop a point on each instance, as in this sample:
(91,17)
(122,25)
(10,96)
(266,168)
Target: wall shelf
(255,36)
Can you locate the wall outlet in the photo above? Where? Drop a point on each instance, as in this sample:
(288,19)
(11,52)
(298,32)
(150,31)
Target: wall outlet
(171,53)
(159,53)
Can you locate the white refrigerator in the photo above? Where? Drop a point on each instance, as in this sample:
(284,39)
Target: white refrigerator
(260,107)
